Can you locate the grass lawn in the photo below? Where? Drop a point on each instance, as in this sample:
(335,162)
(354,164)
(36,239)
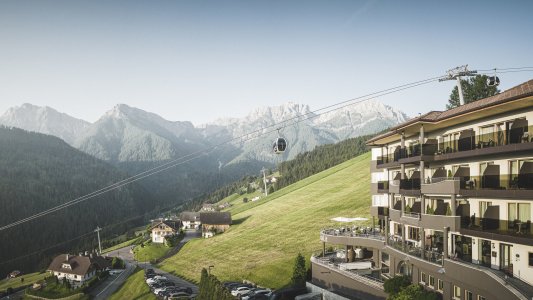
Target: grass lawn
(55,290)
(134,288)
(28,279)
(266,236)
(122,245)
(150,251)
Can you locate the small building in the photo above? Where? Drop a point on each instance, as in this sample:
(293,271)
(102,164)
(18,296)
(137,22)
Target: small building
(15,273)
(224,205)
(190,220)
(208,207)
(77,269)
(164,228)
(214,222)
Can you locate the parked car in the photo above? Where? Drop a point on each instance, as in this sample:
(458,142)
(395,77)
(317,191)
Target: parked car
(287,293)
(255,292)
(241,291)
(178,295)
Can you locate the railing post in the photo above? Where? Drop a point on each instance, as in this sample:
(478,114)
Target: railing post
(453,205)
(445,243)
(422,241)
(386,230)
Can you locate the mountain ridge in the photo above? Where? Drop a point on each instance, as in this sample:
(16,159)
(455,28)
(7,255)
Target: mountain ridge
(126,133)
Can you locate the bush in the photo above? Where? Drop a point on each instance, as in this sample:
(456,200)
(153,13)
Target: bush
(245,200)
(414,292)
(393,285)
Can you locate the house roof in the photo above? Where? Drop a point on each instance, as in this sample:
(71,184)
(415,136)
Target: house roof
(216,218)
(80,265)
(174,225)
(516,93)
(189,216)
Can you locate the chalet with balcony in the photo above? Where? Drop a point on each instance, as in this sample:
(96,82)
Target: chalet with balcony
(452,194)
(78,269)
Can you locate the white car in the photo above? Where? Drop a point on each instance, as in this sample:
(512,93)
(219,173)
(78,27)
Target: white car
(240,290)
(178,295)
(150,281)
(161,289)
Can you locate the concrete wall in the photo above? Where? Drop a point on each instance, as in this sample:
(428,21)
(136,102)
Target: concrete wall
(338,283)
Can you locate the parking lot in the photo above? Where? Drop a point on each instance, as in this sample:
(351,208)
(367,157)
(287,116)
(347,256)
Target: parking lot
(166,286)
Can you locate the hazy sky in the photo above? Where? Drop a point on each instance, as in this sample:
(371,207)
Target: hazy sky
(199,60)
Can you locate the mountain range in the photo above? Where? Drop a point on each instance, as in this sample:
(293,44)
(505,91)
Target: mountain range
(128,134)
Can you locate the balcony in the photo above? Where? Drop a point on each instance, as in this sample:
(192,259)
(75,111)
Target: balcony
(495,185)
(383,187)
(517,138)
(441,185)
(354,238)
(379,211)
(519,232)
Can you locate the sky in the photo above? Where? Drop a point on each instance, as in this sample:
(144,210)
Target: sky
(202,60)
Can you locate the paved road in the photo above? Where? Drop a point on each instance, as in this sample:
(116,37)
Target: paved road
(112,283)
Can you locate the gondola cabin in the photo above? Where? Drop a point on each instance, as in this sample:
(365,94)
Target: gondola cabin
(280,144)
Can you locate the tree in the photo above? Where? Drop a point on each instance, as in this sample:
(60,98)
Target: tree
(299,272)
(270,190)
(414,292)
(393,285)
(474,88)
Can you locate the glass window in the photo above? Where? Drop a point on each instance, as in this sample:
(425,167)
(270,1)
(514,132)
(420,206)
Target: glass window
(483,207)
(487,134)
(413,233)
(456,292)
(479,297)
(423,278)
(469,295)
(440,285)
(531,259)
(431,281)
(524,212)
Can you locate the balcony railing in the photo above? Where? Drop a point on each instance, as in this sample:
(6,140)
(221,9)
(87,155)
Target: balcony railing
(515,228)
(465,141)
(369,280)
(427,255)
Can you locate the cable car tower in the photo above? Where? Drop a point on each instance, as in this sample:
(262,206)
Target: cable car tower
(456,73)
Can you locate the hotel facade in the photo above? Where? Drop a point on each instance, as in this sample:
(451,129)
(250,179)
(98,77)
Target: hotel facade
(452,195)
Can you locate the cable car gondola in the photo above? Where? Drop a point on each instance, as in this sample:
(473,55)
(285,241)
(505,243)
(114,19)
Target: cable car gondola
(280,144)
(493,81)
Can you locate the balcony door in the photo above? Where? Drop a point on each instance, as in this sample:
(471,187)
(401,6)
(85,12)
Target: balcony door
(506,263)
(485,253)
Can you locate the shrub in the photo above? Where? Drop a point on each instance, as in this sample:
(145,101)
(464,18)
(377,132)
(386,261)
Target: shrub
(299,272)
(393,285)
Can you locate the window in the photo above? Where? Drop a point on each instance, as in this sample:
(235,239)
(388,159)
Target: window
(479,297)
(423,278)
(483,207)
(456,292)
(440,285)
(413,233)
(519,211)
(469,295)
(486,134)
(431,281)
(531,259)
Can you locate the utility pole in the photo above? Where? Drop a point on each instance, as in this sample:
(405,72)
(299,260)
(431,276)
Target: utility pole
(97,230)
(264,180)
(455,74)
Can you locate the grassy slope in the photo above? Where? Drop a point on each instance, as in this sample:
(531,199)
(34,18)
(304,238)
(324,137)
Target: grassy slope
(28,279)
(122,245)
(150,251)
(134,288)
(266,236)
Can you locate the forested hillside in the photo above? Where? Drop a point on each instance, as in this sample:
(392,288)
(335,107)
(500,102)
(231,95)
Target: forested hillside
(320,159)
(38,172)
(304,165)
